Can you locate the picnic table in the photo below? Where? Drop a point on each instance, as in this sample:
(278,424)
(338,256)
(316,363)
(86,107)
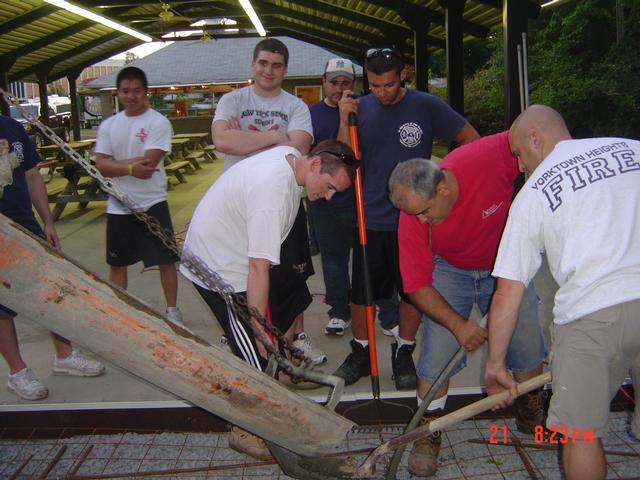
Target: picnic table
(78,187)
(197,141)
(54,159)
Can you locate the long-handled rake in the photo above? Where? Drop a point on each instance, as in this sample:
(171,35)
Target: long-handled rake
(370,310)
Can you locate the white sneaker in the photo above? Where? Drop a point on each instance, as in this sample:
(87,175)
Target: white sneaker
(175,315)
(312,353)
(26,385)
(77,365)
(392,332)
(223,343)
(336,326)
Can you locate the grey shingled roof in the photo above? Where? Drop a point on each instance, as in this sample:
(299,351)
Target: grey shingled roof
(220,61)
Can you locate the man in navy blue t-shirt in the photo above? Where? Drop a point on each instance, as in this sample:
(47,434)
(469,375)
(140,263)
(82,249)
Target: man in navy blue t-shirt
(20,186)
(334,221)
(394,124)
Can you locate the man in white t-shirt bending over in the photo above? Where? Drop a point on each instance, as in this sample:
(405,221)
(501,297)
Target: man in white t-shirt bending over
(262,115)
(580,206)
(130,148)
(240,223)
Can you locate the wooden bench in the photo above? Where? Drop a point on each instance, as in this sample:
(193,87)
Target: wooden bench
(194,158)
(176,170)
(53,191)
(210,153)
(50,164)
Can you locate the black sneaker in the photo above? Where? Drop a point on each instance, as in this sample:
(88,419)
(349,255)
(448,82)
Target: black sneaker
(531,411)
(356,365)
(404,370)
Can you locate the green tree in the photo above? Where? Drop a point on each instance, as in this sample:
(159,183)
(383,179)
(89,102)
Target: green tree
(577,67)
(484,92)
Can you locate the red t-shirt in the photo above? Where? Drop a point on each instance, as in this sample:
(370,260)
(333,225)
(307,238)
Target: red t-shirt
(469,237)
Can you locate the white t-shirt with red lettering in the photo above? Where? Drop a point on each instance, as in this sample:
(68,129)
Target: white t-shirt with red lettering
(123,137)
(284,113)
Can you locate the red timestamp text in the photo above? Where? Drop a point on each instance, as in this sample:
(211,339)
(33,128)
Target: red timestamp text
(561,435)
(554,435)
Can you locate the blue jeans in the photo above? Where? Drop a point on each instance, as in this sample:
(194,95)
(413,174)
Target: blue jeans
(334,229)
(461,289)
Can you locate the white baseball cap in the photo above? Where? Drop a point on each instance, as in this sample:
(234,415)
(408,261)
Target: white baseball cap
(339,67)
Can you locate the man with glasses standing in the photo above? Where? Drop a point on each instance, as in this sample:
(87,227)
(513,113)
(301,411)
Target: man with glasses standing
(394,124)
(334,221)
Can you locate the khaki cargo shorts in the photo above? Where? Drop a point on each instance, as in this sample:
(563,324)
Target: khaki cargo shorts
(591,358)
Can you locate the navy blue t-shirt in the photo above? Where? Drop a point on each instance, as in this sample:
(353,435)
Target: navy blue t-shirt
(326,123)
(394,133)
(17,155)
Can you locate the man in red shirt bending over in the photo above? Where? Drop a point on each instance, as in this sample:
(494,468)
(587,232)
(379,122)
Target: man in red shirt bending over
(450,227)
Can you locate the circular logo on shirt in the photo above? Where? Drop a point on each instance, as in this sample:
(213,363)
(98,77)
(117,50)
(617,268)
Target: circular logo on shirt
(410,134)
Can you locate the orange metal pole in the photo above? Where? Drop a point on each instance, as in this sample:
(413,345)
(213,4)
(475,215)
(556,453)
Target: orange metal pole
(370,310)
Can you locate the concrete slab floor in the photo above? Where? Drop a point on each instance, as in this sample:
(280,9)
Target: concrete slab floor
(183,455)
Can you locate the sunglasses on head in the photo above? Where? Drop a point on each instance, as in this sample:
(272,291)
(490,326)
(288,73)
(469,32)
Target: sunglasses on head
(345,157)
(382,52)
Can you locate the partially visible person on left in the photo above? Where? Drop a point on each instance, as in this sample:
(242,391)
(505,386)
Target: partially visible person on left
(21,186)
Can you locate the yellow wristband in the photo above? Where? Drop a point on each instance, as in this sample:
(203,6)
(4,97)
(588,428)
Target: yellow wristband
(130,169)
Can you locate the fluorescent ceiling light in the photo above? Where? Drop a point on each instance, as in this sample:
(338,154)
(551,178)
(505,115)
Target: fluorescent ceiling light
(214,21)
(553,3)
(99,19)
(246,4)
(182,33)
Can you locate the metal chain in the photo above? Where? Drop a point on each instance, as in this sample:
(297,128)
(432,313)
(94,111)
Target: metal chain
(197,266)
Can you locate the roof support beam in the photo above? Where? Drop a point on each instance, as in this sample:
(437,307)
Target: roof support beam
(44,97)
(67,55)
(72,78)
(514,24)
(5,66)
(533,9)
(455,64)
(302,35)
(49,39)
(405,10)
(318,34)
(421,56)
(96,59)
(27,18)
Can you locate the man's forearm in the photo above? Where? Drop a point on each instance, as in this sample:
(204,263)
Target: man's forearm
(258,285)
(38,194)
(238,142)
(429,301)
(503,318)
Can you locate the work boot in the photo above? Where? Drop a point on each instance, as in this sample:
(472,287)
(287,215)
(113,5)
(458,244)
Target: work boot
(244,442)
(404,370)
(531,411)
(356,365)
(423,459)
